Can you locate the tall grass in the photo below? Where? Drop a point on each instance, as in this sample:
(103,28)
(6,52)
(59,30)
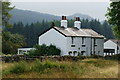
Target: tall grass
(63,69)
(36,66)
(18,68)
(47,65)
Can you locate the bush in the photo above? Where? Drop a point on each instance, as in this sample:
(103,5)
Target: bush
(42,50)
(53,50)
(113,57)
(41,67)
(95,56)
(18,68)
(38,66)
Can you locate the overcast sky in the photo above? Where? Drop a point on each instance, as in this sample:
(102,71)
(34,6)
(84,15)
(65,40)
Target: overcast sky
(93,9)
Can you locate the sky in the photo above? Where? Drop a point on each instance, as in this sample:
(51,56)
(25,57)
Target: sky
(94,8)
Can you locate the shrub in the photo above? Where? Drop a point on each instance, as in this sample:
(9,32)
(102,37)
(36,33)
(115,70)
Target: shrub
(42,50)
(38,66)
(53,50)
(41,67)
(19,67)
(96,56)
(114,57)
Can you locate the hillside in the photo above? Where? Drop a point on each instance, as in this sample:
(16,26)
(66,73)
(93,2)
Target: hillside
(82,16)
(27,16)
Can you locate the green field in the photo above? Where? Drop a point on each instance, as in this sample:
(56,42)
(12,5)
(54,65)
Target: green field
(87,68)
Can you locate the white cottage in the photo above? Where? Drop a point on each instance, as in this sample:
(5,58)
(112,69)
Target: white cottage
(111,47)
(73,41)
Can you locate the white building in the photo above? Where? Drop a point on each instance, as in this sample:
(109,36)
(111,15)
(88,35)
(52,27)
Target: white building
(73,41)
(112,47)
(24,50)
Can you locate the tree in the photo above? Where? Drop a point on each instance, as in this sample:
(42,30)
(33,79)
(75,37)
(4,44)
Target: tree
(113,16)
(108,34)
(11,42)
(5,14)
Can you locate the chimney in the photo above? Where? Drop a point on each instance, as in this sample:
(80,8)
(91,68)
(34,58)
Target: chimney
(64,21)
(77,23)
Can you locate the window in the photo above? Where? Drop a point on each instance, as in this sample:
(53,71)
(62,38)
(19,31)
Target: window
(72,39)
(70,52)
(72,45)
(109,50)
(74,52)
(95,42)
(83,45)
(83,40)
(82,52)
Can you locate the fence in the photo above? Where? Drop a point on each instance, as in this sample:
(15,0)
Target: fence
(16,58)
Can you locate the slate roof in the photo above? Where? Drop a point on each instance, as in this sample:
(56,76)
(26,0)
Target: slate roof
(116,41)
(75,32)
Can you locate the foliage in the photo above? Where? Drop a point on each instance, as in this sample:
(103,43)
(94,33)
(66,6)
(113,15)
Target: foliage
(53,50)
(5,14)
(41,67)
(113,57)
(42,50)
(116,31)
(87,68)
(37,66)
(11,42)
(113,16)
(19,67)
(32,31)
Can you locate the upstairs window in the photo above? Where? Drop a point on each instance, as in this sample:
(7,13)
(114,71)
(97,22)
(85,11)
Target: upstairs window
(83,45)
(95,42)
(72,39)
(83,40)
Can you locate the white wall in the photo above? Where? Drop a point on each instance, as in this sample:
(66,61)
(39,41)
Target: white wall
(76,42)
(78,45)
(100,47)
(110,45)
(119,50)
(64,43)
(55,38)
(89,45)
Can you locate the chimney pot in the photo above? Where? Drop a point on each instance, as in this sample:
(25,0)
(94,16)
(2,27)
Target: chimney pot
(62,17)
(77,19)
(77,23)
(64,21)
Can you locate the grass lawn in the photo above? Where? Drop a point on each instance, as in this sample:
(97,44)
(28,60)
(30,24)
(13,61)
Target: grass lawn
(87,68)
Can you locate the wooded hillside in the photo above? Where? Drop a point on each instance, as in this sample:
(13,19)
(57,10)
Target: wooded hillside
(31,31)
